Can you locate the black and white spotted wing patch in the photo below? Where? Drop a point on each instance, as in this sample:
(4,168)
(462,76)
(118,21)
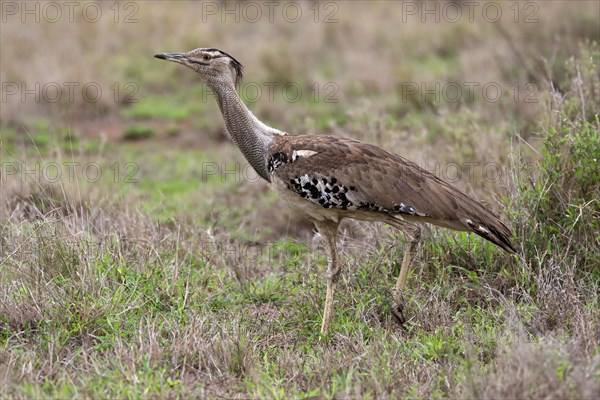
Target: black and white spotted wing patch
(329,193)
(326,192)
(276,161)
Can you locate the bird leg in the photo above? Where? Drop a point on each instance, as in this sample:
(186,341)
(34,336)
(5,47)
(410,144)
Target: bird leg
(411,247)
(329,231)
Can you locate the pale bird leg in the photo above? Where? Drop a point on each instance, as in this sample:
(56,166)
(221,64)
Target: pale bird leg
(411,247)
(328,229)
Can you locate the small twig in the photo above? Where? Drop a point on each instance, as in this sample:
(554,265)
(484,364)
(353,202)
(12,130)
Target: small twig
(528,145)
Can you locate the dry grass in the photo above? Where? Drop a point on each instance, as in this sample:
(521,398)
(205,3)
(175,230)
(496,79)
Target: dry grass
(182,283)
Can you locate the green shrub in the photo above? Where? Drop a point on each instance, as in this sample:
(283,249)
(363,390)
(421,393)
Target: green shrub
(560,199)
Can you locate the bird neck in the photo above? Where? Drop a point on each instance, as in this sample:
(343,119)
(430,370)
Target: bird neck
(248,133)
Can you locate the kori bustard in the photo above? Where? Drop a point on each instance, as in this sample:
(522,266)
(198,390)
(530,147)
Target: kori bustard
(327,178)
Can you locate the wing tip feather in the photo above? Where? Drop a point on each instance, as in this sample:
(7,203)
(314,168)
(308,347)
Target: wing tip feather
(498,233)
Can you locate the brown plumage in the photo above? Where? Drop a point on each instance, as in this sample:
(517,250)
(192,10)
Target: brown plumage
(382,182)
(329,178)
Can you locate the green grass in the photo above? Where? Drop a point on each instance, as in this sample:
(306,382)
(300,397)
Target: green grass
(175,310)
(150,308)
(138,132)
(165,107)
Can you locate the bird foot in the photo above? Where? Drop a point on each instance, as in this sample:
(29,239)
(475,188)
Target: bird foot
(398,314)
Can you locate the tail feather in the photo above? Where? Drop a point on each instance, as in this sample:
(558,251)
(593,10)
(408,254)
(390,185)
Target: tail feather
(498,233)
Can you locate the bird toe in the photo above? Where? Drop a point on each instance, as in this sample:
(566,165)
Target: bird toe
(397,313)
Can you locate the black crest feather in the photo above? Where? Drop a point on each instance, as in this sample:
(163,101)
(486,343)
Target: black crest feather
(237,66)
(239,71)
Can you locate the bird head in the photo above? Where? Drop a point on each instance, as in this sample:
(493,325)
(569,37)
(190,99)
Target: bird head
(212,64)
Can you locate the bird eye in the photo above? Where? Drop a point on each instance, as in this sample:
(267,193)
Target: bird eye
(206,57)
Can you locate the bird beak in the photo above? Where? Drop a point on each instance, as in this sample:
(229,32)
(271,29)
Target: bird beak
(176,57)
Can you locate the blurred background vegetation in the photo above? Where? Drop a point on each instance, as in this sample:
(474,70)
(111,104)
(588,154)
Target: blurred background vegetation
(114,286)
